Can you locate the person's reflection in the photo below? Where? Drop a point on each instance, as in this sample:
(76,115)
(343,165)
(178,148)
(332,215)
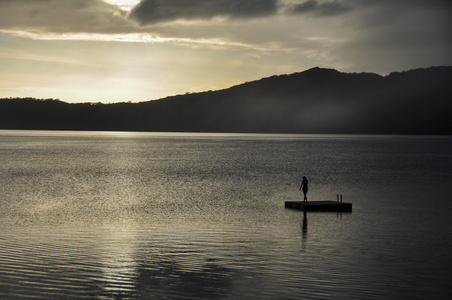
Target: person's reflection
(304,231)
(305,225)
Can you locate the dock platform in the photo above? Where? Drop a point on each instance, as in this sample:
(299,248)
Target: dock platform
(320,206)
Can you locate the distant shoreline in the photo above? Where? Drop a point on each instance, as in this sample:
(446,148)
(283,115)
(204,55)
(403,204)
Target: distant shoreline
(36,132)
(316,101)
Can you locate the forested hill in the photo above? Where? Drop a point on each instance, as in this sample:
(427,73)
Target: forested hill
(314,101)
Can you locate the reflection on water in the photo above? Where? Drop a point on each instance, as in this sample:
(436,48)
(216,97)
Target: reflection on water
(177,216)
(305,225)
(118,261)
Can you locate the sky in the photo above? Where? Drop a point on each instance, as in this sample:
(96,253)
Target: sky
(131,50)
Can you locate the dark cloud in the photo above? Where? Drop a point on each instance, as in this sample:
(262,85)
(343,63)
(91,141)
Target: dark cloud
(386,8)
(397,35)
(62,16)
(322,9)
(154,11)
(387,12)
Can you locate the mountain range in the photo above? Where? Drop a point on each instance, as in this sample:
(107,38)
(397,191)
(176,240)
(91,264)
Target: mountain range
(316,101)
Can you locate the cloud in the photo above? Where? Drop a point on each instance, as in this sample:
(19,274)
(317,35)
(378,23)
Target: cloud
(7,53)
(155,11)
(351,35)
(322,9)
(385,35)
(62,16)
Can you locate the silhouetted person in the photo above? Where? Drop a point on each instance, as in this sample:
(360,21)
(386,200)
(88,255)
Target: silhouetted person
(304,187)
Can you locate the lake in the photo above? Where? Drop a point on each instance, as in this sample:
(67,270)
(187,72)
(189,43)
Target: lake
(114,215)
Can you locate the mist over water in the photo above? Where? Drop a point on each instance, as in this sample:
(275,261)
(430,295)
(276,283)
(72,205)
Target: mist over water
(201,216)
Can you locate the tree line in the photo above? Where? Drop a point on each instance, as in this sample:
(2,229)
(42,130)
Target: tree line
(314,101)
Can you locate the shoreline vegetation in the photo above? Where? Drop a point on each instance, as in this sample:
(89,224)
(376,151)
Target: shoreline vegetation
(316,101)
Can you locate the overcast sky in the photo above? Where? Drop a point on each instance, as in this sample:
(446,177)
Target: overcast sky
(131,50)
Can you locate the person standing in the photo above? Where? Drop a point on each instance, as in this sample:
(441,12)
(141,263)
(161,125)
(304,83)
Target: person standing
(304,187)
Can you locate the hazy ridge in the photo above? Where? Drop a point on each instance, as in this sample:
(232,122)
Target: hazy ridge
(314,101)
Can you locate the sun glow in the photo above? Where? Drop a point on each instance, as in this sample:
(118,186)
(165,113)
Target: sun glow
(124,4)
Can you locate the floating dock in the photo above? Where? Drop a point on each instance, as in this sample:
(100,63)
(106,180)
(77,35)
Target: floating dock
(320,206)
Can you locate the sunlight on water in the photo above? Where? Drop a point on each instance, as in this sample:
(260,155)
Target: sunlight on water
(199,216)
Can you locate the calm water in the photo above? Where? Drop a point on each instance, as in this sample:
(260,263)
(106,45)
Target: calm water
(198,216)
